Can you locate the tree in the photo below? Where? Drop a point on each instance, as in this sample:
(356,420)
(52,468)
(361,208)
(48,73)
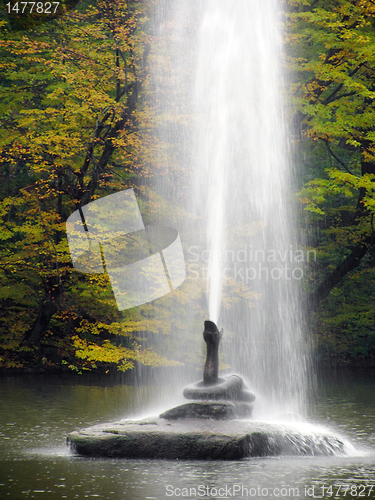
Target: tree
(331,53)
(332,57)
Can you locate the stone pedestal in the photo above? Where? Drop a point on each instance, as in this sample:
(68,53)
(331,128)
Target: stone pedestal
(225,400)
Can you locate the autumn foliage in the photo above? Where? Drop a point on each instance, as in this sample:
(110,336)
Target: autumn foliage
(78,118)
(75,126)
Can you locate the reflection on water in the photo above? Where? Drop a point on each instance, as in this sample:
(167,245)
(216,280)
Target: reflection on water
(36,415)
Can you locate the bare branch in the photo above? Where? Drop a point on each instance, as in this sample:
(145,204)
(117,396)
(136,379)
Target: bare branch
(336,157)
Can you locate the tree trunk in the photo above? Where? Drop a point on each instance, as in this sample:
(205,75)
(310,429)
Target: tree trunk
(312,302)
(39,328)
(53,289)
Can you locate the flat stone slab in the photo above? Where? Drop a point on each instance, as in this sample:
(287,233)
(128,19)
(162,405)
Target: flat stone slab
(200,439)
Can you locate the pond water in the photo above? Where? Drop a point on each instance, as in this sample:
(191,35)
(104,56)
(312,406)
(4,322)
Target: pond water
(37,412)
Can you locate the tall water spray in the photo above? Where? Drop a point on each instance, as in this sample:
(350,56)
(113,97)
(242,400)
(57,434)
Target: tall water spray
(226,72)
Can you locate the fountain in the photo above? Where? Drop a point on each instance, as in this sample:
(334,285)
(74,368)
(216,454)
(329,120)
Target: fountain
(236,153)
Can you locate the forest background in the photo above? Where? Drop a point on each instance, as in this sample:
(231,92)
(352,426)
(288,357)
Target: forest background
(78,122)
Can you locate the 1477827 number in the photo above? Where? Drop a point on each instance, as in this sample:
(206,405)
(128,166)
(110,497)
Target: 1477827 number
(29,7)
